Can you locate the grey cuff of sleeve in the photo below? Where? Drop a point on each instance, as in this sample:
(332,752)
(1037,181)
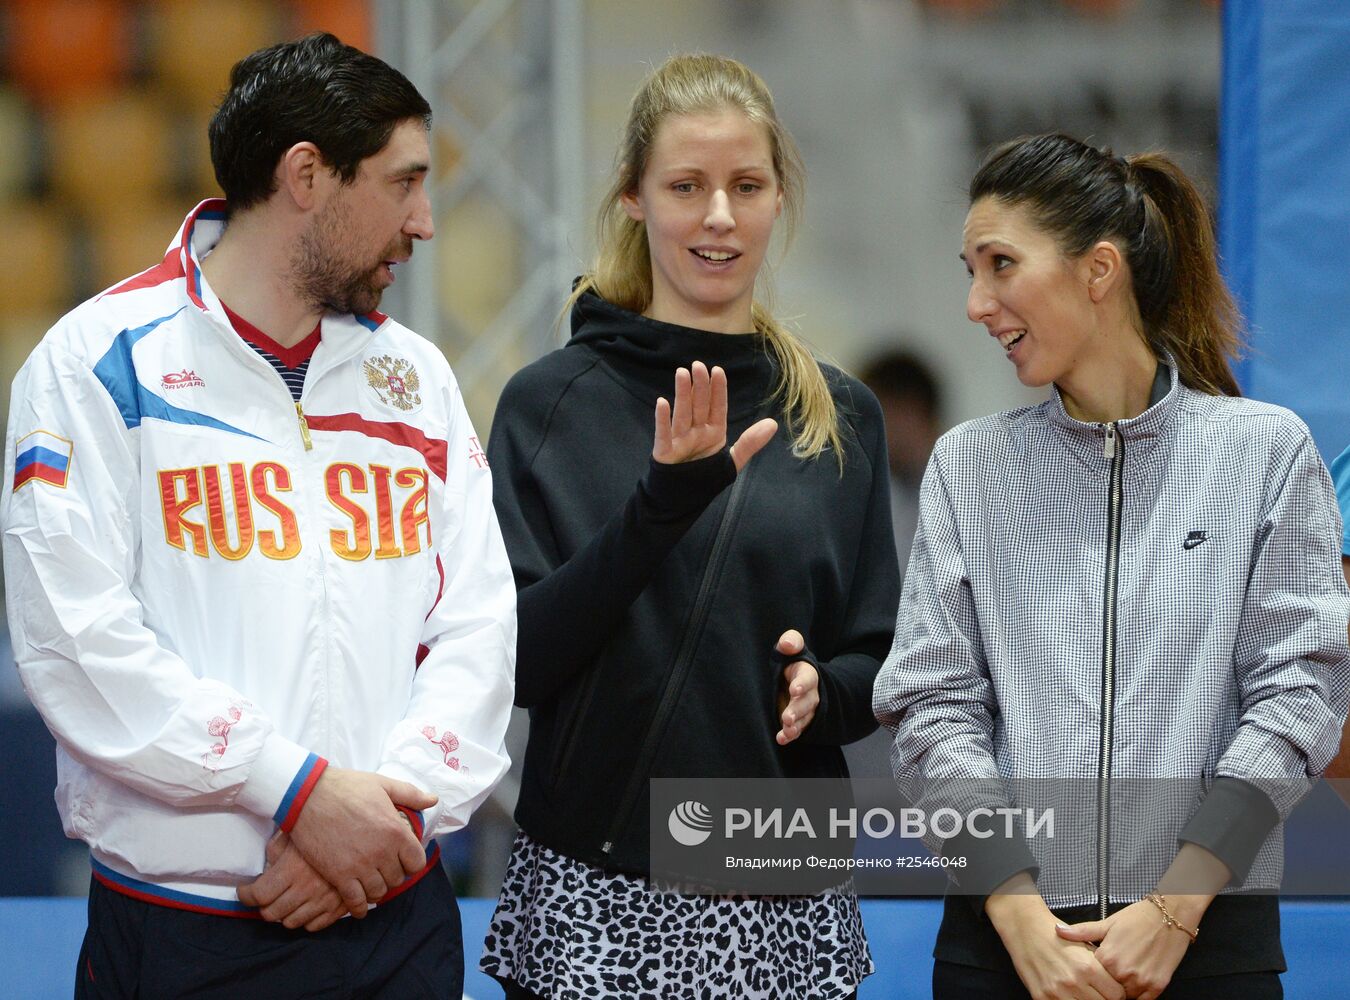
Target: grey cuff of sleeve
(989,863)
(1232,823)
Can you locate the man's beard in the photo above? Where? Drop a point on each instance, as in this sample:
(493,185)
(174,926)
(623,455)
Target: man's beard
(322,278)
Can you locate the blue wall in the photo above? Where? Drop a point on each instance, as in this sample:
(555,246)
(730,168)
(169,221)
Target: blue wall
(1284,220)
(40,939)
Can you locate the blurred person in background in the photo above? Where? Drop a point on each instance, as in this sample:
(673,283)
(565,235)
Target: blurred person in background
(255,583)
(1136,579)
(686,609)
(911,404)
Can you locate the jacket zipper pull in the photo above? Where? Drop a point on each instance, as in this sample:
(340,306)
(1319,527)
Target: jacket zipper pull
(304,428)
(1108,446)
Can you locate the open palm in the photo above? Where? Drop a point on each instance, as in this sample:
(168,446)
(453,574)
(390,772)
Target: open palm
(697,427)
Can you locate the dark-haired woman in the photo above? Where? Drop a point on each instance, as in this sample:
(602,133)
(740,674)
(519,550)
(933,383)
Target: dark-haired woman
(686,610)
(1123,603)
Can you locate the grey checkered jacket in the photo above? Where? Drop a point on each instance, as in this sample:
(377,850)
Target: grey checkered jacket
(1141,625)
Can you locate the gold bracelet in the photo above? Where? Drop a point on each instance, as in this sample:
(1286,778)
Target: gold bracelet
(1161,903)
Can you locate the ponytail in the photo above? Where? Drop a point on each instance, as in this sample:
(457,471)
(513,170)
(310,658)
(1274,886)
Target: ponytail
(808,406)
(1191,315)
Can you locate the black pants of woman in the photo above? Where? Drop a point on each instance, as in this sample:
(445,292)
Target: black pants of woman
(1238,957)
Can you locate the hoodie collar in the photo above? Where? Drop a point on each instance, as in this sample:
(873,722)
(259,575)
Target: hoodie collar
(643,353)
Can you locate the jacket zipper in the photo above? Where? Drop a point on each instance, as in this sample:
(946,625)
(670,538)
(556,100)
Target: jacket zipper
(304,427)
(1113,448)
(242,349)
(688,645)
(323,680)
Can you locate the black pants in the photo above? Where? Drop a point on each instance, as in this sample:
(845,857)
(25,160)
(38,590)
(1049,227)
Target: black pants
(963,982)
(410,948)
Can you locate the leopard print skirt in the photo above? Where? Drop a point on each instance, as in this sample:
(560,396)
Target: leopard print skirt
(567,930)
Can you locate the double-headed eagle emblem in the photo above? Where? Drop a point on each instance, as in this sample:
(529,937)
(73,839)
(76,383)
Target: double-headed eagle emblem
(394,380)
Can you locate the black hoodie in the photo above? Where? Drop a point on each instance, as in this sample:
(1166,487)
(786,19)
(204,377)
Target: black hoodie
(609,549)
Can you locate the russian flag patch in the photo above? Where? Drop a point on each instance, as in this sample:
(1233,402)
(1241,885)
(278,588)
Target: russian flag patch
(42,456)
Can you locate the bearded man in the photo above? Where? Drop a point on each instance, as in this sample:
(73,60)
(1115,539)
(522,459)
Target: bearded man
(256,585)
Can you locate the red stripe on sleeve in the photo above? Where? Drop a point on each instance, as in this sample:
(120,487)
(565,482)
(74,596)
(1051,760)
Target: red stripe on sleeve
(303,795)
(414,819)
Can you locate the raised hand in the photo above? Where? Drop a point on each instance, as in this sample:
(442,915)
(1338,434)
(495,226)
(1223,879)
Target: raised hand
(799,692)
(351,834)
(697,426)
(290,891)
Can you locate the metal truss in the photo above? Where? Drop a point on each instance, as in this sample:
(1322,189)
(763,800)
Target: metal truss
(504,78)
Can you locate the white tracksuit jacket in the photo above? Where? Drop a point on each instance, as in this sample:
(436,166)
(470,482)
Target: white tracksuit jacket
(210,589)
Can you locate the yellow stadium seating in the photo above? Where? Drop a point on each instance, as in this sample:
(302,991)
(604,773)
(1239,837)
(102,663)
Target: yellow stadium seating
(104,149)
(36,266)
(60,49)
(126,238)
(19,334)
(16,126)
(194,43)
(201,176)
(348,19)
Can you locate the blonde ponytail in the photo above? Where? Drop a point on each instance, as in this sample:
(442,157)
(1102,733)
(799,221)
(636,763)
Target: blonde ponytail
(808,406)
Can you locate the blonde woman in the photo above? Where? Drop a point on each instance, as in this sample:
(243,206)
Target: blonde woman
(686,609)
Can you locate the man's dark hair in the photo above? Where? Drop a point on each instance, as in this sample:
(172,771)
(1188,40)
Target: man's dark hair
(314,90)
(901,375)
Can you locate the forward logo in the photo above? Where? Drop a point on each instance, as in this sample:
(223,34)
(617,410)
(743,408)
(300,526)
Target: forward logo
(186,379)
